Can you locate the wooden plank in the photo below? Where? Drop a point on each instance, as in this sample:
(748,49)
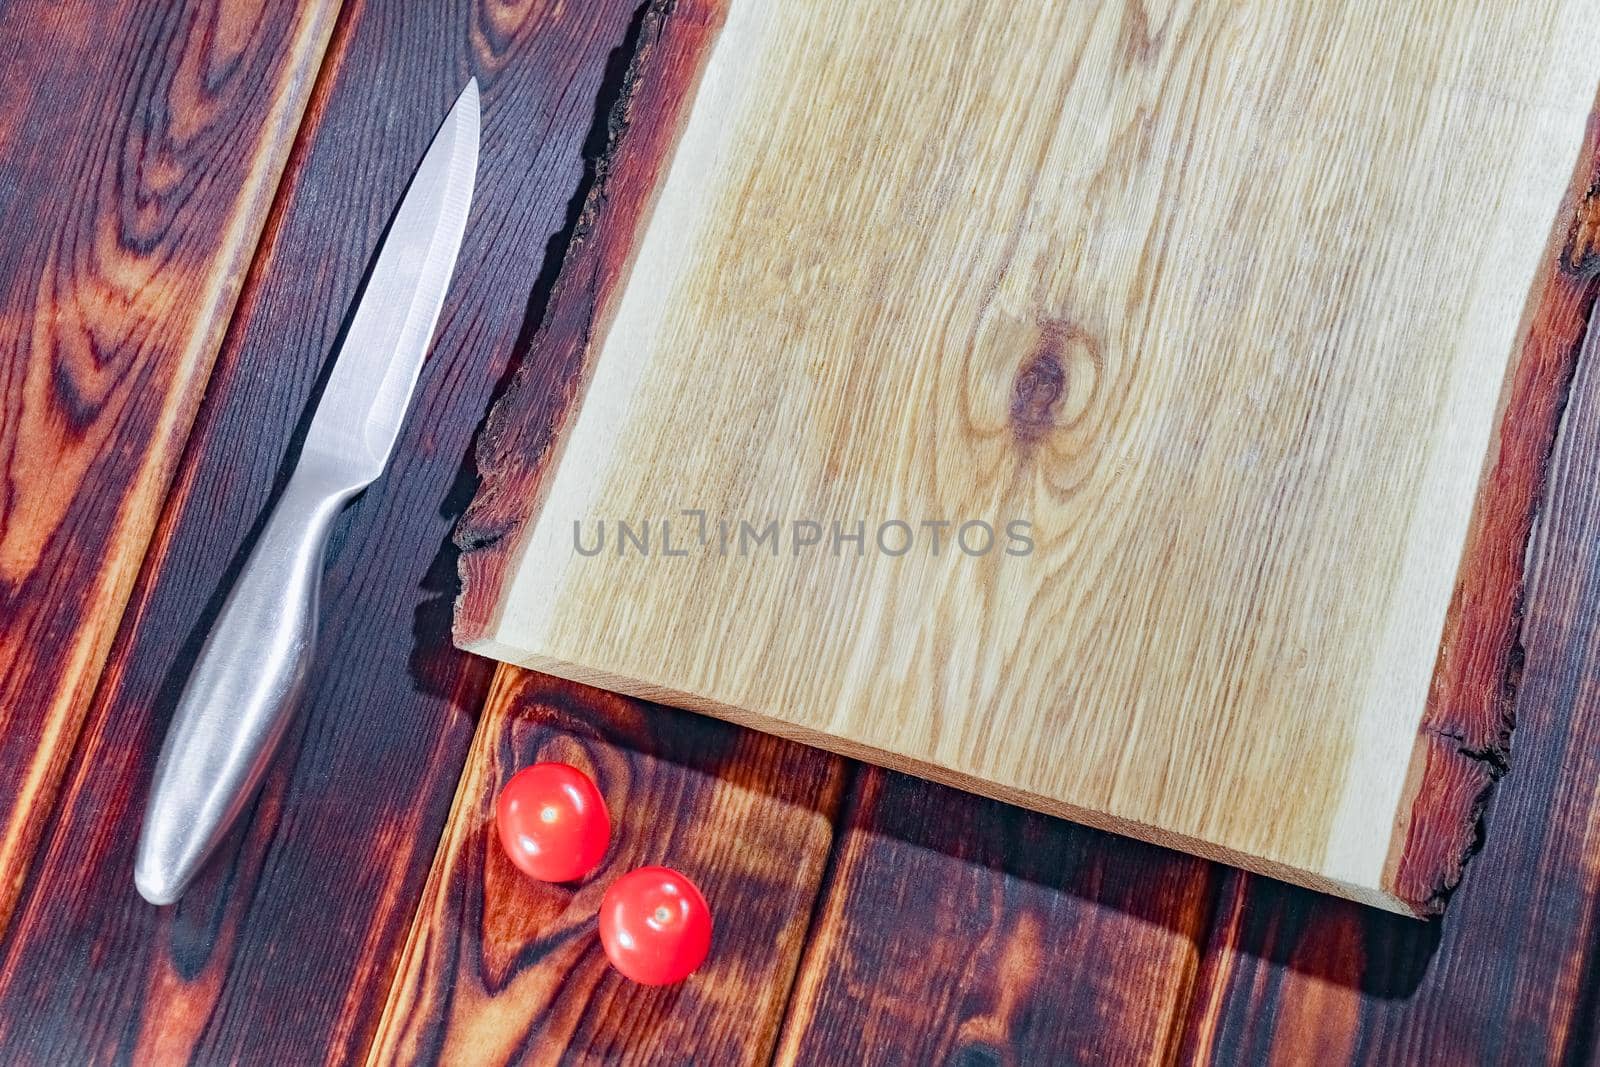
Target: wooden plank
(139,151)
(501,969)
(1508,976)
(284,949)
(1158,285)
(958,930)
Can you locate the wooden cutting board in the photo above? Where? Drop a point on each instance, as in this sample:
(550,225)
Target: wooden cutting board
(1227,321)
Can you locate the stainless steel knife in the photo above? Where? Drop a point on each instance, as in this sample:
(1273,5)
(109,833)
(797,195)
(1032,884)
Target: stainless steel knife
(242,694)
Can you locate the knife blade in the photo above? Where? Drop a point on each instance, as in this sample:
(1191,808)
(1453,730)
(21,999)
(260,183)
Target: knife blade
(240,697)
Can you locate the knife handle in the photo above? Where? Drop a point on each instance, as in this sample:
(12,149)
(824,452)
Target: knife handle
(243,691)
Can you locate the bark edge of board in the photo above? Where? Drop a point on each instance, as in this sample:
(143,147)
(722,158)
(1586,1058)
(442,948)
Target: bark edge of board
(521,437)
(1464,744)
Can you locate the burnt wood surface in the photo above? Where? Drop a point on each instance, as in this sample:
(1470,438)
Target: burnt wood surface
(501,968)
(140,143)
(282,951)
(956,929)
(362,911)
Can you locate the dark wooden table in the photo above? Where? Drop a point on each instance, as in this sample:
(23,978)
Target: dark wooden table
(189,192)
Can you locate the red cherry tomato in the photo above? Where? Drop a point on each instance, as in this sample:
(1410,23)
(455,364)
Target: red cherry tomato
(655,926)
(553,822)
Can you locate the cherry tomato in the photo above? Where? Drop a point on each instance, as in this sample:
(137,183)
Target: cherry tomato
(655,926)
(553,822)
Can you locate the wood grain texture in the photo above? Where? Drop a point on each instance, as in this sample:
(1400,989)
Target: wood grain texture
(1163,284)
(502,969)
(955,929)
(1508,976)
(139,150)
(283,950)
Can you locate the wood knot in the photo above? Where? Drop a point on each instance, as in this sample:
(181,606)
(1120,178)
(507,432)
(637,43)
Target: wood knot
(1036,392)
(1046,391)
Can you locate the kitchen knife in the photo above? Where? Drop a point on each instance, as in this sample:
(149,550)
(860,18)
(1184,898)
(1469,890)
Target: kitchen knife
(241,696)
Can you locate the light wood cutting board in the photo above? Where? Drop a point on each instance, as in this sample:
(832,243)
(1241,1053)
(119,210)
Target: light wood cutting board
(1226,319)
